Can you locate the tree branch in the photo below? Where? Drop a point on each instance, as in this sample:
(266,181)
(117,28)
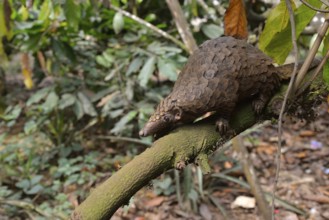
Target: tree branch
(182,25)
(150,26)
(174,150)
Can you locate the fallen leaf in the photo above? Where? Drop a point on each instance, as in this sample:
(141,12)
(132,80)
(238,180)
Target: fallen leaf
(307,133)
(205,212)
(317,198)
(244,202)
(154,202)
(235,20)
(228,165)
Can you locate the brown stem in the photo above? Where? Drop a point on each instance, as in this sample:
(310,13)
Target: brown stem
(182,25)
(252,179)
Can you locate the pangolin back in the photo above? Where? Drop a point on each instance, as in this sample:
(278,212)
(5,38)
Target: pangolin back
(220,73)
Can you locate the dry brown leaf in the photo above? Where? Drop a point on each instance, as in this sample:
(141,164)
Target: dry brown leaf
(235,20)
(307,133)
(155,202)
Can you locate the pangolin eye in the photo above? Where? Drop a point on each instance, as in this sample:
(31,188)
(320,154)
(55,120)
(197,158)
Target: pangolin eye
(166,118)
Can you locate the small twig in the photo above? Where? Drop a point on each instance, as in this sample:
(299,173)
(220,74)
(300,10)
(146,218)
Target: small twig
(312,52)
(123,139)
(314,75)
(204,5)
(250,173)
(290,87)
(325,2)
(182,25)
(150,26)
(314,8)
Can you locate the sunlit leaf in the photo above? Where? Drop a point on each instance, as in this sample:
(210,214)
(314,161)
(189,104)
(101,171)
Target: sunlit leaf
(235,20)
(275,40)
(212,31)
(118,22)
(147,71)
(45,10)
(72,10)
(87,106)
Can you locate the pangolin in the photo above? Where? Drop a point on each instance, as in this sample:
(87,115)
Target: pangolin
(219,74)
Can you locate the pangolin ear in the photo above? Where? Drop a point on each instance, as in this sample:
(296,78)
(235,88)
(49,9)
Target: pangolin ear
(178,114)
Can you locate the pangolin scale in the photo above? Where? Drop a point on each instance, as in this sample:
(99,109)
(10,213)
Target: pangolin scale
(222,72)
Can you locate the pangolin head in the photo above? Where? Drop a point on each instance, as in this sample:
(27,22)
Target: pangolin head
(164,118)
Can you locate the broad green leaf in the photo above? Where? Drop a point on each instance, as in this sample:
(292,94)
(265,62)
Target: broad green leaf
(72,10)
(275,40)
(167,69)
(34,190)
(78,109)
(23,184)
(276,22)
(120,125)
(36,179)
(118,22)
(87,106)
(66,100)
(134,66)
(326,65)
(24,13)
(212,31)
(38,96)
(45,10)
(51,102)
(146,71)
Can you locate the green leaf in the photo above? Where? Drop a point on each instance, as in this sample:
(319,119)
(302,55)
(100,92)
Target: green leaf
(72,11)
(34,190)
(134,66)
(66,100)
(78,109)
(121,124)
(276,22)
(87,106)
(23,184)
(118,22)
(38,96)
(275,40)
(212,31)
(30,127)
(63,51)
(45,10)
(167,69)
(51,102)
(325,49)
(146,71)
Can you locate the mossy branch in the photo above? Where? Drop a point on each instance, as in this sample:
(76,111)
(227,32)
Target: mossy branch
(175,150)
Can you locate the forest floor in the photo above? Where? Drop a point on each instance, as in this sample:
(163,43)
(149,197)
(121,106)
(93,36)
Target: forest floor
(303,182)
